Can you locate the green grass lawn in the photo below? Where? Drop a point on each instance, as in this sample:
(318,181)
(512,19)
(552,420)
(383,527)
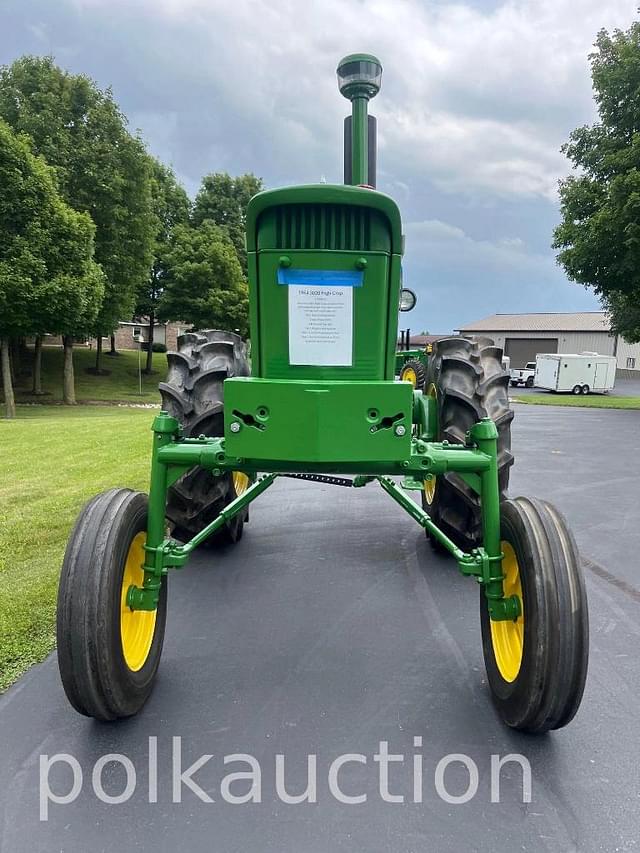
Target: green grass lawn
(595,401)
(53,460)
(121,383)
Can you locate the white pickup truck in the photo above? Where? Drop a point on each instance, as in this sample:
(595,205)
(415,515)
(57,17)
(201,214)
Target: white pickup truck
(523,375)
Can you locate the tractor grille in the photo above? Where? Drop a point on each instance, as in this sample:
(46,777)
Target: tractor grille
(323,226)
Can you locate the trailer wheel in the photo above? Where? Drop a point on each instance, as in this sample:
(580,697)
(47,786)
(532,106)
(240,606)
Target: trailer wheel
(585,389)
(467,378)
(194,394)
(108,654)
(413,371)
(537,665)
(577,389)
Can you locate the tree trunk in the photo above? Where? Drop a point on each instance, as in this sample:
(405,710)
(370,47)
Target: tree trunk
(68,381)
(113,346)
(37,366)
(14,360)
(150,344)
(9,400)
(98,353)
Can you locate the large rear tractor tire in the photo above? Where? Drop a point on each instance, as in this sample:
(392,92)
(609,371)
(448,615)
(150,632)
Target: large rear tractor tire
(466,377)
(194,394)
(537,664)
(108,654)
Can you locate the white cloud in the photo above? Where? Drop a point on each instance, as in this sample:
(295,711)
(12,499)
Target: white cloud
(458,278)
(474,107)
(433,231)
(433,240)
(474,101)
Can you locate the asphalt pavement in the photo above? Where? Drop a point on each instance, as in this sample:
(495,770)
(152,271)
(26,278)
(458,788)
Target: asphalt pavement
(330,628)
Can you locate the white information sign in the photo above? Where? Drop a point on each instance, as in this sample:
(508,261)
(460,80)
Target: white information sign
(321,325)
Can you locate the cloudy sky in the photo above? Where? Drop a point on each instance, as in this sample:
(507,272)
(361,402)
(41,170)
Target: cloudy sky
(477,98)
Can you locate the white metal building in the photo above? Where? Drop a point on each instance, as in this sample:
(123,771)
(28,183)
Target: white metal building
(523,336)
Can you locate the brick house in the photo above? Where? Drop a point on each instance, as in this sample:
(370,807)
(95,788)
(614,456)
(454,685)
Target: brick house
(163,333)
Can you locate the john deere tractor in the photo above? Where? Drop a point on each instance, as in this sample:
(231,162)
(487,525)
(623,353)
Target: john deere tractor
(411,364)
(321,404)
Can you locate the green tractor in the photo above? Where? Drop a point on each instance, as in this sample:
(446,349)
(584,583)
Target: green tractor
(321,404)
(411,364)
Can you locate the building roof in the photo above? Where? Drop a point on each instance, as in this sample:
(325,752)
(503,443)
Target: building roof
(579,321)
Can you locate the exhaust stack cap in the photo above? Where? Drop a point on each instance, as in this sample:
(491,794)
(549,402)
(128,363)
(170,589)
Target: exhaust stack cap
(359,76)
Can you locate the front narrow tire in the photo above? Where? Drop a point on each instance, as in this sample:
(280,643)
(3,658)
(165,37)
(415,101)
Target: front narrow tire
(108,655)
(537,665)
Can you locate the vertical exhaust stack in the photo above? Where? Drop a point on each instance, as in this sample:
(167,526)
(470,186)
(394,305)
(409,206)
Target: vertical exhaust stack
(359,79)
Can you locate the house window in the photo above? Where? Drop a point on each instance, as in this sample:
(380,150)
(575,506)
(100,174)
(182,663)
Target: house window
(137,332)
(631,363)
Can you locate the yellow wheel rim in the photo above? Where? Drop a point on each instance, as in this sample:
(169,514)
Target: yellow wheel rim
(430,489)
(409,375)
(137,627)
(240,482)
(430,484)
(507,638)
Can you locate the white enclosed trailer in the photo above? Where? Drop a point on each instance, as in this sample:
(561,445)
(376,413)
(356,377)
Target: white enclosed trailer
(579,373)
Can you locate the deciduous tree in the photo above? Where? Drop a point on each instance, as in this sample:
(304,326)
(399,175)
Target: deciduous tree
(101,168)
(48,278)
(223,200)
(203,281)
(171,207)
(599,236)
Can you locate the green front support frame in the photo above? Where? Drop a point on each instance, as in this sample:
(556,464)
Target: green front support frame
(173,455)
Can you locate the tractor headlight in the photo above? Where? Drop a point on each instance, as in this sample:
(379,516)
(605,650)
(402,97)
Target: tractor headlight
(408,299)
